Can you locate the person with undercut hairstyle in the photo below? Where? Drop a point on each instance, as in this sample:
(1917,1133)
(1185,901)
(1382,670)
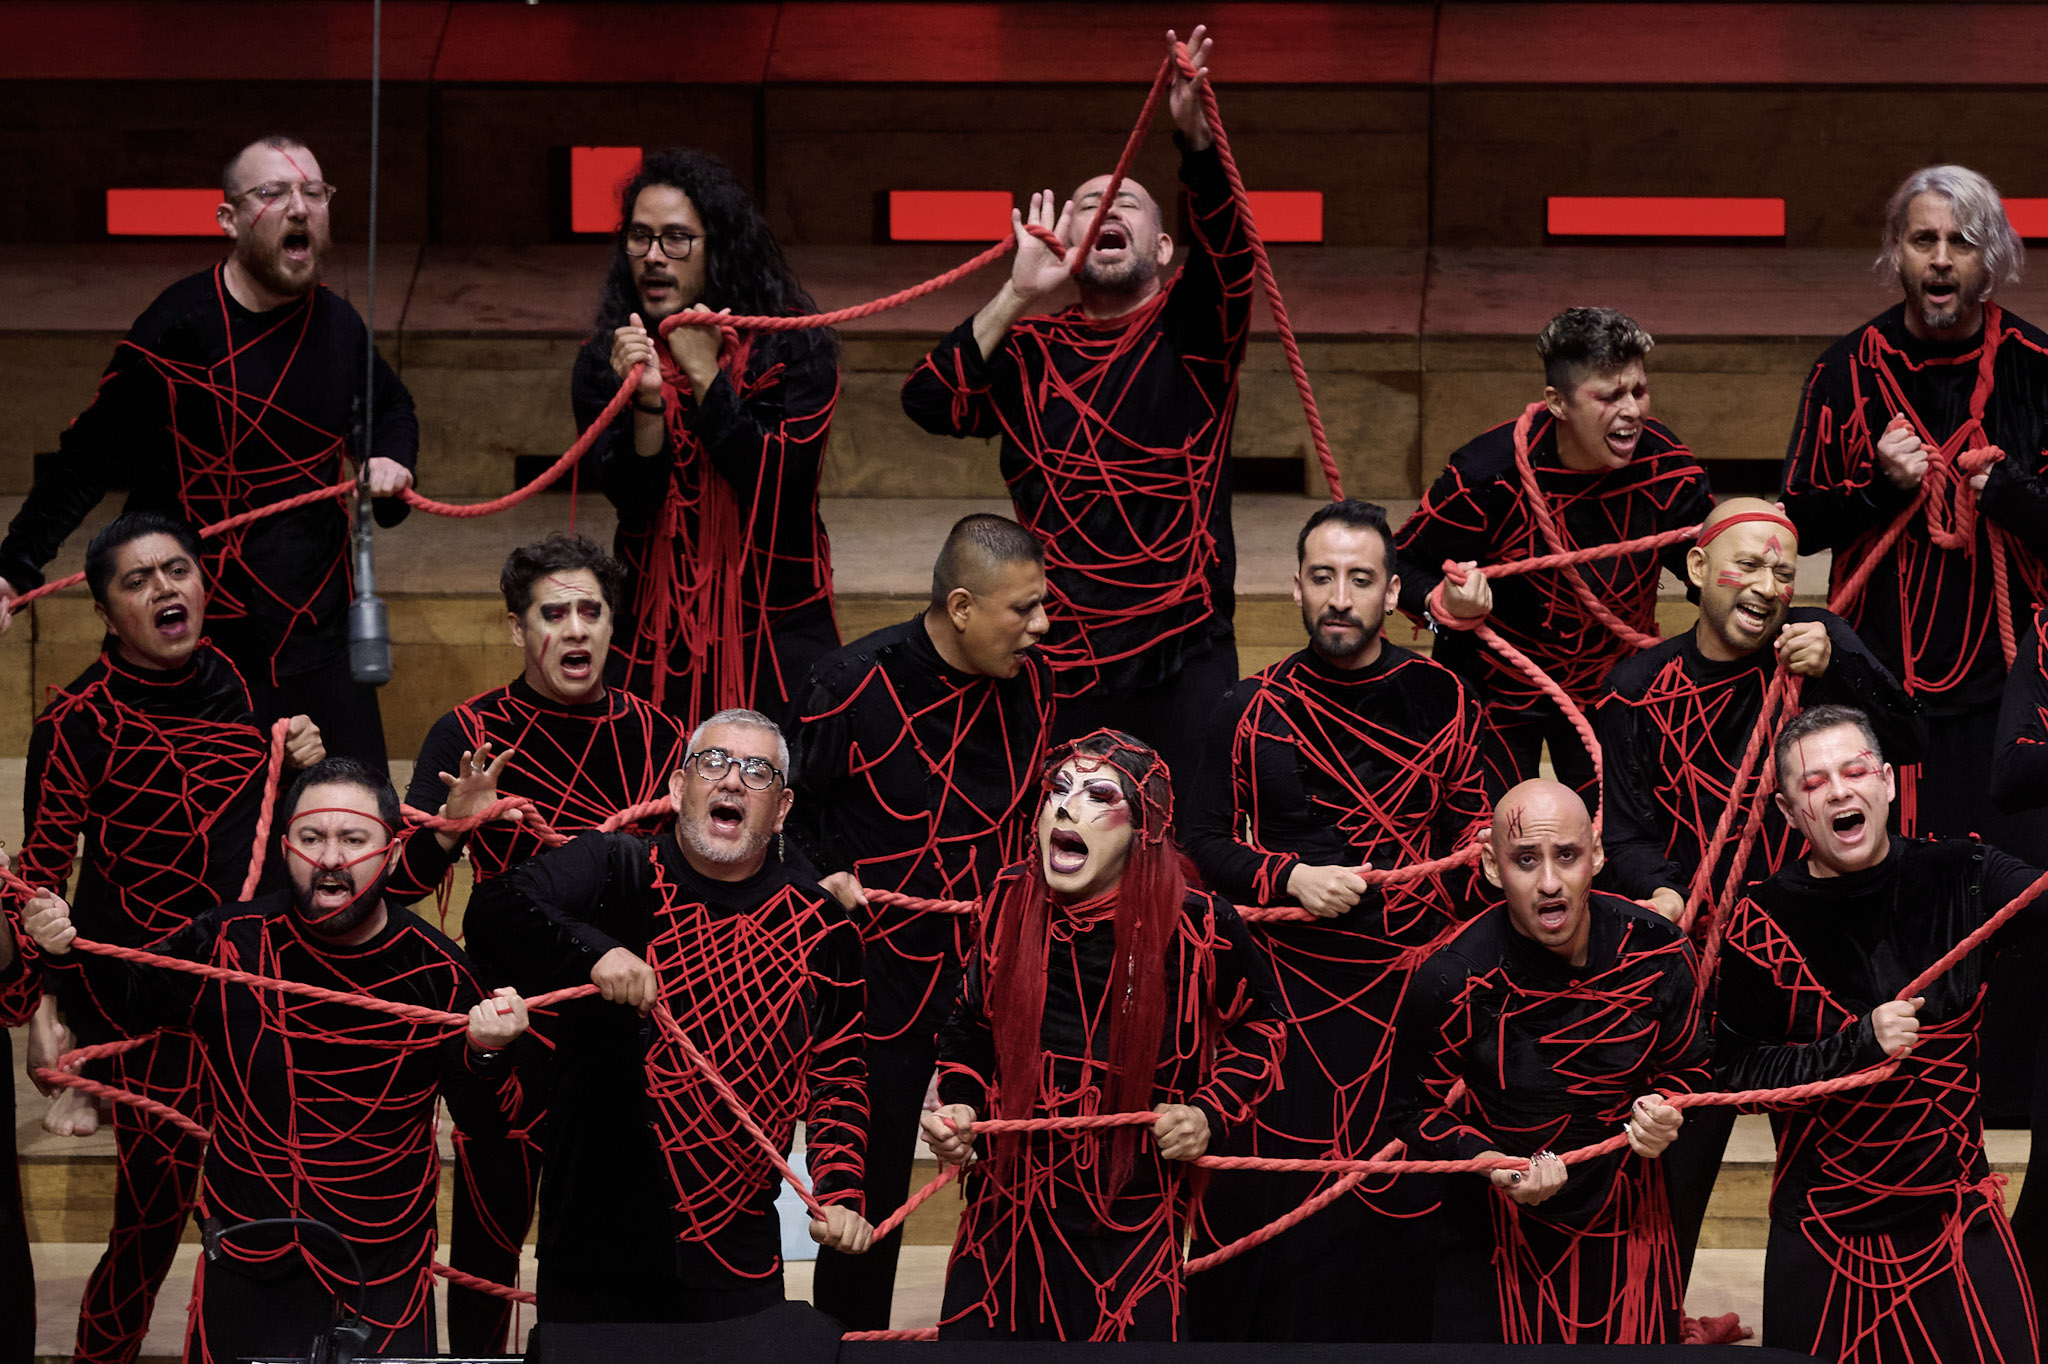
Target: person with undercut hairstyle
(1888,1238)
(1352,752)
(154,761)
(713,465)
(1115,417)
(915,765)
(1585,467)
(583,753)
(240,387)
(1564,1013)
(1674,723)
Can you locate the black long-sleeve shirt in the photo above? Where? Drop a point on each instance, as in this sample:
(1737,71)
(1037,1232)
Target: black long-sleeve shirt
(728,596)
(579,765)
(762,974)
(319,1110)
(920,779)
(1927,612)
(1673,725)
(1477,510)
(1116,449)
(1551,1055)
(161,773)
(1805,961)
(2019,762)
(210,410)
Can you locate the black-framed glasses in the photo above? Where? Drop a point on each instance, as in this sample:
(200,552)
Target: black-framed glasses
(676,244)
(758,773)
(315,192)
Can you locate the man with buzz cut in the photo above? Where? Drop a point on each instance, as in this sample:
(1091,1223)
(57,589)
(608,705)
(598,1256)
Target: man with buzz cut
(239,387)
(1888,1237)
(915,763)
(1585,467)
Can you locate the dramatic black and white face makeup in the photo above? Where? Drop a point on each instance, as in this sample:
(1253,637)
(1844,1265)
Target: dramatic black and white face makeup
(1084,829)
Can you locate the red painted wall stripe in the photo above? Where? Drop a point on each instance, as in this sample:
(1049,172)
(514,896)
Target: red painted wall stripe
(949,215)
(162,212)
(1288,215)
(2029,217)
(1638,216)
(595,174)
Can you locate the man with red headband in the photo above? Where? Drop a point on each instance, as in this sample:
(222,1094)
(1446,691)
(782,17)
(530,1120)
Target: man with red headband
(1098,982)
(1584,468)
(1114,416)
(1888,1237)
(1565,1013)
(322,1112)
(1352,751)
(1674,724)
(154,759)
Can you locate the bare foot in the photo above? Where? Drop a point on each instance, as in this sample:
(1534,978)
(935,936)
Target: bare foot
(72,1114)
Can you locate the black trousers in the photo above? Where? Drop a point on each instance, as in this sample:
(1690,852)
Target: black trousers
(491,1208)
(1976,1308)
(1172,716)
(696,1288)
(860,1289)
(17,1269)
(1691,1165)
(278,1316)
(1511,750)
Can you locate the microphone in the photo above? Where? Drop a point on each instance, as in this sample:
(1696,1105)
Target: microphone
(369,624)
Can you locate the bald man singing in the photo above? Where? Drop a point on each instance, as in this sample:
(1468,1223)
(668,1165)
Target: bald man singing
(1568,1014)
(1674,722)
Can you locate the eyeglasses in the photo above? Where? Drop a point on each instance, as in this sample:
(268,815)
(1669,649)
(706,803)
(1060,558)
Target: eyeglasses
(315,192)
(676,244)
(758,773)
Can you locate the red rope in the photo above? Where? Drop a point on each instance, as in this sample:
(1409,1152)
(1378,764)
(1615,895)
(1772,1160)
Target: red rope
(259,845)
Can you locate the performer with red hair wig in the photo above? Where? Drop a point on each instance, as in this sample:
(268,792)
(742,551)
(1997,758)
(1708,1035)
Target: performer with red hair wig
(1077,1235)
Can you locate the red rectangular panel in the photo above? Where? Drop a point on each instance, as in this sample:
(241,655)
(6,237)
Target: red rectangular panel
(162,212)
(2029,217)
(1288,215)
(595,174)
(949,215)
(1666,217)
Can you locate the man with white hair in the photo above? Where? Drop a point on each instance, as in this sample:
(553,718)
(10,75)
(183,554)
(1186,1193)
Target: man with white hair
(1940,404)
(1892,413)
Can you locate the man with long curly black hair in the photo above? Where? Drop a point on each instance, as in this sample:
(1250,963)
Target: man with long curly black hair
(714,465)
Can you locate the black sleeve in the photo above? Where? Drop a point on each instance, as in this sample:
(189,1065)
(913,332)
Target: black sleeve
(1855,677)
(538,925)
(423,863)
(1211,832)
(952,390)
(1254,1036)
(1833,490)
(1689,508)
(818,747)
(1427,1065)
(137,998)
(2018,500)
(2005,877)
(1634,830)
(123,425)
(1751,1050)
(633,484)
(395,435)
(967,1043)
(2019,761)
(836,1117)
(780,426)
(481,1093)
(1208,313)
(1454,522)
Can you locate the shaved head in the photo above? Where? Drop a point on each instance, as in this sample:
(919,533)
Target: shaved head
(1744,566)
(1748,507)
(1543,856)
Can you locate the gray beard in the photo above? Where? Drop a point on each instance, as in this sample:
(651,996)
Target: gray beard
(749,847)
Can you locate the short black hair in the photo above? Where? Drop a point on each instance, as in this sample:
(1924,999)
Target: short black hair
(559,553)
(1812,721)
(1349,511)
(123,530)
(974,546)
(341,770)
(274,141)
(1582,341)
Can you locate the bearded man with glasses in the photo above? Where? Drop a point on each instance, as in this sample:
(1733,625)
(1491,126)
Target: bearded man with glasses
(655,1204)
(239,387)
(714,464)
